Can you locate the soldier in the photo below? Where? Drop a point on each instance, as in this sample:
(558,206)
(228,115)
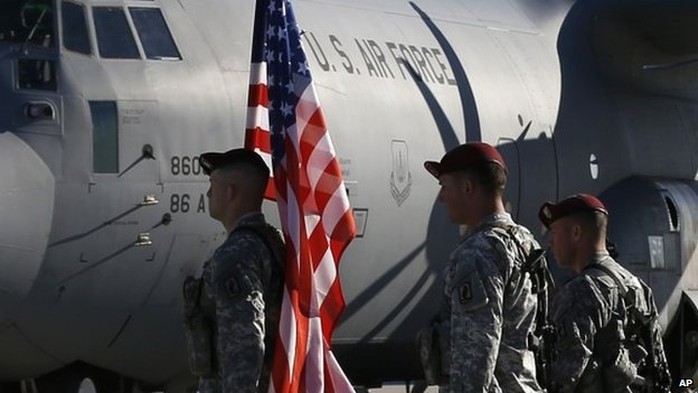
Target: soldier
(488,309)
(607,335)
(232,312)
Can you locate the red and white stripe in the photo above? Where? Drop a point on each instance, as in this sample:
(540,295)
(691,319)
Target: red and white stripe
(318,224)
(257,136)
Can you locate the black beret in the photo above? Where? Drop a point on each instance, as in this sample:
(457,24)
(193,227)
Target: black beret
(211,161)
(551,212)
(465,156)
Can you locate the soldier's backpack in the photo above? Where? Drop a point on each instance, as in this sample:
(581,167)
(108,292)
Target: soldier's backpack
(433,343)
(641,339)
(536,265)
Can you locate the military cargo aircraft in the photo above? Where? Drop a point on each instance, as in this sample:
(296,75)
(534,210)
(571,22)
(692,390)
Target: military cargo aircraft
(105,106)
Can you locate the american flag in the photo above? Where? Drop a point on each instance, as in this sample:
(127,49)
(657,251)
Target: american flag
(285,122)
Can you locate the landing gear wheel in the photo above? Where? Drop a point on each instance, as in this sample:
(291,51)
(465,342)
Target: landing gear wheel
(87,386)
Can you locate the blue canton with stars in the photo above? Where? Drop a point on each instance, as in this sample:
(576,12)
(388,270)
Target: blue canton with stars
(287,71)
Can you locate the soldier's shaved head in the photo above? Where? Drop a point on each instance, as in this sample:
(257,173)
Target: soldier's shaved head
(249,178)
(593,223)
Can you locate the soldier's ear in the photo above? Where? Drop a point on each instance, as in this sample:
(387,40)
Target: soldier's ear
(576,231)
(466,184)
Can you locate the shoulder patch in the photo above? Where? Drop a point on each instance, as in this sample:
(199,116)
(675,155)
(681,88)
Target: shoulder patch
(471,291)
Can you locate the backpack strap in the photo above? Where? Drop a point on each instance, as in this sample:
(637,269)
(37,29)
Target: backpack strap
(534,261)
(653,371)
(627,307)
(536,266)
(609,272)
(263,236)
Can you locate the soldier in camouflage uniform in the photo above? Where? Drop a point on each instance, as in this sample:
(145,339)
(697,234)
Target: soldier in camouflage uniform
(608,338)
(243,280)
(488,310)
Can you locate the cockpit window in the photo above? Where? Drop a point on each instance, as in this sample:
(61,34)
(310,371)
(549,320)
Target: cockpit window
(75,36)
(154,34)
(36,74)
(27,22)
(114,37)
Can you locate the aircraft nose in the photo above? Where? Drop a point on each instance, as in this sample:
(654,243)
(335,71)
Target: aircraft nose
(26,211)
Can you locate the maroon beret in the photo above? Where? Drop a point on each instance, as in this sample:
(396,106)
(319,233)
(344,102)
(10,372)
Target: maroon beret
(213,160)
(465,156)
(551,212)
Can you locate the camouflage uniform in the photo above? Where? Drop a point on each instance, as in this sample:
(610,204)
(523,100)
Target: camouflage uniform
(489,312)
(588,317)
(243,285)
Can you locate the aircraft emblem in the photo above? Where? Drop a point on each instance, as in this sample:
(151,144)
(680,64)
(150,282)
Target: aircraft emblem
(400,177)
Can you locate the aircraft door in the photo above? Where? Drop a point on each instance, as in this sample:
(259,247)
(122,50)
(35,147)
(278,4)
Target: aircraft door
(653,223)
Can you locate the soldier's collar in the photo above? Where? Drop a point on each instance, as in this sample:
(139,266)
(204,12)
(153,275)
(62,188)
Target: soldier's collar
(246,218)
(599,257)
(492,220)
(487,222)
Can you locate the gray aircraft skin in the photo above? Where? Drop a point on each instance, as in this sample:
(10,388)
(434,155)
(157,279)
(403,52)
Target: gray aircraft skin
(106,104)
